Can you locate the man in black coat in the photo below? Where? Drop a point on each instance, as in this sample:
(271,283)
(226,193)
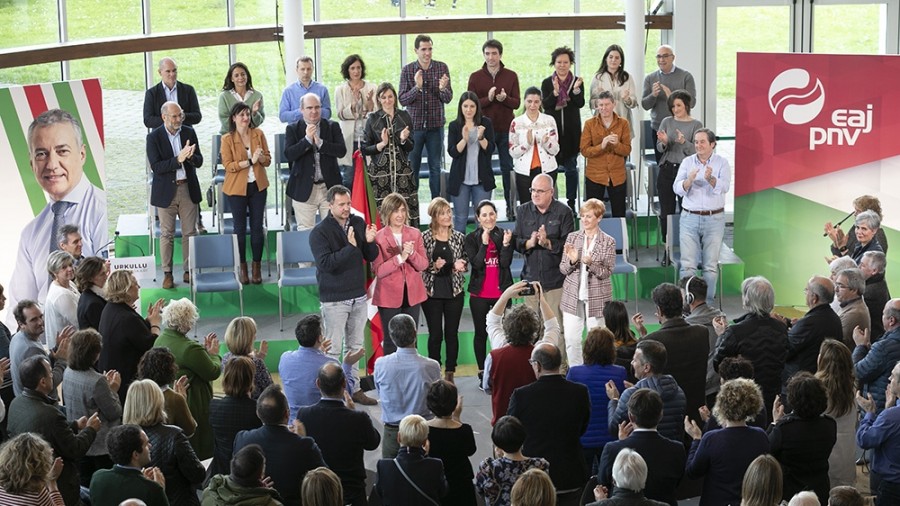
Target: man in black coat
(877,294)
(342,434)
(665,458)
(289,453)
(555,413)
(313,146)
(805,335)
(158,95)
(34,411)
(174,157)
(687,346)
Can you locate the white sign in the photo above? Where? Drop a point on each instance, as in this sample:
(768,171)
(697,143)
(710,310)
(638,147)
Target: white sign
(142,267)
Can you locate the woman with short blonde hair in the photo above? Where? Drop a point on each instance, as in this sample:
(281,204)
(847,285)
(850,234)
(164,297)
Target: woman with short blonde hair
(28,472)
(239,337)
(533,488)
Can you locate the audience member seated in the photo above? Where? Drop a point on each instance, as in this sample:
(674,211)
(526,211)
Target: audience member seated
(512,340)
(343,435)
(321,487)
(555,413)
(200,363)
(845,495)
(805,498)
(233,413)
(880,432)
(762,483)
(126,335)
(648,363)
(451,441)
(245,485)
(27,343)
(805,335)
(171,451)
(402,379)
(34,411)
(90,276)
(698,312)
(61,305)
(877,293)
(158,364)
(88,392)
(873,363)
(289,453)
(836,373)
(665,458)
(733,368)
(412,475)
(239,338)
(129,448)
(722,456)
(533,488)
(756,336)
(802,439)
(496,475)
(629,473)
(599,353)
(298,369)
(29,473)
(849,288)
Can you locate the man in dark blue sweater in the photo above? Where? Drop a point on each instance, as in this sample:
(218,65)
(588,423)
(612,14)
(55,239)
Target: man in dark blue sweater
(340,243)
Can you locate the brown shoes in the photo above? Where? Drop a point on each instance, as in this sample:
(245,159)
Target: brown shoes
(168,281)
(360,397)
(257,273)
(244,279)
(186,277)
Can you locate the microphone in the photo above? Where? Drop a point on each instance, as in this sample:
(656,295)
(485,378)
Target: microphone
(825,234)
(126,241)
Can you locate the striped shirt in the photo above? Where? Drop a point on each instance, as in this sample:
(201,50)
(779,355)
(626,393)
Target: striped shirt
(43,498)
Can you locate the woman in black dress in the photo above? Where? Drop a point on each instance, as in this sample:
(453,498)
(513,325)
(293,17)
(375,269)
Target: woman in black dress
(451,441)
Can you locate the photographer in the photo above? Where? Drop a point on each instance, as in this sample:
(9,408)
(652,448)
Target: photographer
(512,340)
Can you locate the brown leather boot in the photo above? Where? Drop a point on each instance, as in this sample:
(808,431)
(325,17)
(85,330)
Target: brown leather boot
(448,376)
(244,279)
(257,274)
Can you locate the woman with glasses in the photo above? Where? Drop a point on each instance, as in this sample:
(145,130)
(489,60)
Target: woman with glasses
(533,144)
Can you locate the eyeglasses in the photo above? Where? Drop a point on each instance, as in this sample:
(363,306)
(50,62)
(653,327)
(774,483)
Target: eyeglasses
(664,56)
(538,191)
(840,286)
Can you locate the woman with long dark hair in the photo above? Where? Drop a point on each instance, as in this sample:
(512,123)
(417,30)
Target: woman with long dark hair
(612,77)
(470,145)
(533,143)
(615,317)
(238,87)
(354,100)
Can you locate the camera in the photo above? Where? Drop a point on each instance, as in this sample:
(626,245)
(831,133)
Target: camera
(528,290)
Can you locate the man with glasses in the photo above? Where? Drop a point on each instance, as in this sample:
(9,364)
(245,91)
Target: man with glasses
(542,226)
(659,84)
(850,286)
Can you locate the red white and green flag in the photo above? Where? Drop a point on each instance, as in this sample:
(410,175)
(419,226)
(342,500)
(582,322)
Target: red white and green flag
(363,204)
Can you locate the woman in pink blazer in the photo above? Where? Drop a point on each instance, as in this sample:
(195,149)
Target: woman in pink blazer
(401,260)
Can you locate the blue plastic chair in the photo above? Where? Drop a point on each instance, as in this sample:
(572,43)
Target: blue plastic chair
(293,248)
(616,228)
(215,251)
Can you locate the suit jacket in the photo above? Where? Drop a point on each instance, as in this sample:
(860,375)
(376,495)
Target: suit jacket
(155,97)
(555,413)
(687,347)
(90,309)
(288,457)
(112,486)
(805,337)
(164,164)
(233,154)
(343,435)
(126,337)
(300,153)
(427,472)
(228,416)
(34,412)
(665,463)
(460,158)
(599,289)
(394,277)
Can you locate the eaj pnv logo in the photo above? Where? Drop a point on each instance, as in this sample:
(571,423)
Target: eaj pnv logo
(798,98)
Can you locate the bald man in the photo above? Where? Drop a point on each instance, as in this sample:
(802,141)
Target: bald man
(170,89)
(806,334)
(659,84)
(874,362)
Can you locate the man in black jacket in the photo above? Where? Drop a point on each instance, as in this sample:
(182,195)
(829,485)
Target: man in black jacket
(877,294)
(170,89)
(340,243)
(342,434)
(805,335)
(34,411)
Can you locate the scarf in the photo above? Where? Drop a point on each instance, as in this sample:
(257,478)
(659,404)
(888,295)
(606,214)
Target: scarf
(564,86)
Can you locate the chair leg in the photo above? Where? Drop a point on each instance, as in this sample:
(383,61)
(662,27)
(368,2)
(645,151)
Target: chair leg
(721,285)
(280,308)
(241,297)
(635,291)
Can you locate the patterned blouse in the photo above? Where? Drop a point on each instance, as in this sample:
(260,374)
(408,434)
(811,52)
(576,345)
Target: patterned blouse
(457,247)
(262,379)
(495,477)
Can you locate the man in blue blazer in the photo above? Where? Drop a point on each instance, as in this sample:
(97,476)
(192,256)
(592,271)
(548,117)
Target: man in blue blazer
(170,89)
(313,146)
(174,157)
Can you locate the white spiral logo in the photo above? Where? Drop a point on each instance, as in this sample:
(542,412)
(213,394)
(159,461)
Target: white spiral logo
(794,96)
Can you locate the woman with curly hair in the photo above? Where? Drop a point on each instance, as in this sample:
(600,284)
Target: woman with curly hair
(802,439)
(762,482)
(28,472)
(158,364)
(835,370)
(722,456)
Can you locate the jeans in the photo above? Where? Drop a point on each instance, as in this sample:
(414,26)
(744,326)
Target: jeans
(570,167)
(467,193)
(888,492)
(701,241)
(255,201)
(442,316)
(386,313)
(573,328)
(667,197)
(501,141)
(345,323)
(432,140)
(616,195)
(480,308)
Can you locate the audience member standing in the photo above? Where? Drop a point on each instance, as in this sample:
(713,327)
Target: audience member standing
(354,101)
(170,89)
(850,286)
(630,475)
(533,144)
(340,243)
(836,372)
(90,278)
(673,144)
(555,413)
(6,381)
(497,475)
(61,305)
(563,98)
(69,240)
(605,145)
(659,85)
(412,475)
(424,89)
(246,484)
(158,364)
(27,343)
(877,293)
(239,338)
(130,477)
(612,77)
(231,414)
(873,362)
(290,110)
(805,336)
(497,88)
(880,432)
(238,87)
(451,441)
(470,146)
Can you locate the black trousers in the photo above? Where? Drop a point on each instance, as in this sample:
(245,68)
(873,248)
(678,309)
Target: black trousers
(442,317)
(617,195)
(386,313)
(523,185)
(255,202)
(667,197)
(480,308)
